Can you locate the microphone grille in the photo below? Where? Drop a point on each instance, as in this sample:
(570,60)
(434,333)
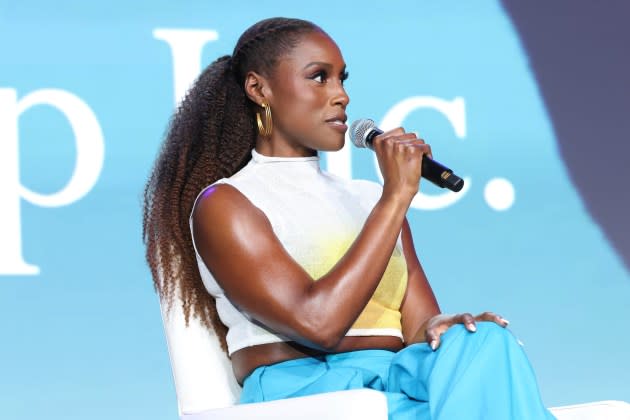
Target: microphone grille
(359,129)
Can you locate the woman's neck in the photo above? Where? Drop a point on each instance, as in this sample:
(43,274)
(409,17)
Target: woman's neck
(267,147)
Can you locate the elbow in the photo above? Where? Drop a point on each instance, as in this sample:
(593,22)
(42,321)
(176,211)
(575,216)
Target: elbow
(317,325)
(324,337)
(329,343)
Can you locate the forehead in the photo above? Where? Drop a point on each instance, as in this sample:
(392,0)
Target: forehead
(314,47)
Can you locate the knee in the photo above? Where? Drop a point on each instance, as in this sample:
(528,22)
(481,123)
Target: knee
(493,333)
(490,327)
(488,334)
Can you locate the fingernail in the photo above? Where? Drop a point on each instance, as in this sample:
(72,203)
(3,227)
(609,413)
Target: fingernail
(472,327)
(505,321)
(433,345)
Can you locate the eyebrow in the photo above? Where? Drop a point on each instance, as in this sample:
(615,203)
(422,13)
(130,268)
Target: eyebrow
(321,63)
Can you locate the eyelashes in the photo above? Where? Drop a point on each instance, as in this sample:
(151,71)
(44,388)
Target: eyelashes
(319,77)
(322,76)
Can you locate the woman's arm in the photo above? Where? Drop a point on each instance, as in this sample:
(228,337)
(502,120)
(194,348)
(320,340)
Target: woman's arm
(239,247)
(419,304)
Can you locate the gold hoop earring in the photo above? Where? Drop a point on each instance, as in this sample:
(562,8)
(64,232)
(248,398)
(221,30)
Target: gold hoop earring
(265,129)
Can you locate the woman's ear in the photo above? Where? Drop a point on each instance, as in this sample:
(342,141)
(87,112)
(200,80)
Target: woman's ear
(256,87)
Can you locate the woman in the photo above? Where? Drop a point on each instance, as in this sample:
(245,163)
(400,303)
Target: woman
(312,282)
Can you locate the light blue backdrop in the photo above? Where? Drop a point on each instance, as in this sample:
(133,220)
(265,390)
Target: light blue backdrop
(90,87)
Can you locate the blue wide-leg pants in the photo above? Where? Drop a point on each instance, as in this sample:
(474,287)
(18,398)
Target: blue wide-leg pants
(482,375)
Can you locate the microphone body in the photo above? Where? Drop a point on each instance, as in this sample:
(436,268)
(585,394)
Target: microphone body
(362,133)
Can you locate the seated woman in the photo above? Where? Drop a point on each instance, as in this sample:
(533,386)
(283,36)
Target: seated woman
(311,281)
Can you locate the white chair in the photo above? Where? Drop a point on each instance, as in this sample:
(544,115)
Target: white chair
(207,390)
(600,410)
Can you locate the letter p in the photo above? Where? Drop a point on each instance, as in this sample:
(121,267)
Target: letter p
(89,162)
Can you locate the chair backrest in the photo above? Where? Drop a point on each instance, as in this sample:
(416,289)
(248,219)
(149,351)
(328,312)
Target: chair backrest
(201,370)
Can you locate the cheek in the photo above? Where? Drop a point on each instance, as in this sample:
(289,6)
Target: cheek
(306,100)
(301,108)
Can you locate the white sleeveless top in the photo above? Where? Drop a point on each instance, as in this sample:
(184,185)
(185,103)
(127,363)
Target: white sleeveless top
(316,216)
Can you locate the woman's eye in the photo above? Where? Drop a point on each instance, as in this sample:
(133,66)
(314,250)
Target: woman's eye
(344,76)
(319,77)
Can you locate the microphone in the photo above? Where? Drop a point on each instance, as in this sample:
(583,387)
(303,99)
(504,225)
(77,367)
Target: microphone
(362,133)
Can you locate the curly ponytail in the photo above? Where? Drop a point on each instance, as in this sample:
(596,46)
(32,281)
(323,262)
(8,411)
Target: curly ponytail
(210,137)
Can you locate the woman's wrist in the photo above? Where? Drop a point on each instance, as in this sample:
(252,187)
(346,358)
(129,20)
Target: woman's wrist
(398,200)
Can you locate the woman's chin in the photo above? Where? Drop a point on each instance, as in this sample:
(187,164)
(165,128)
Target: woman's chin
(334,147)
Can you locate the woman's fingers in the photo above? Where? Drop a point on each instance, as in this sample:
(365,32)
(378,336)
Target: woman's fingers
(438,326)
(443,323)
(492,317)
(469,321)
(440,323)
(433,338)
(400,137)
(398,143)
(400,160)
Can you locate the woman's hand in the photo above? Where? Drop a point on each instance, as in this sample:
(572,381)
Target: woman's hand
(432,330)
(399,157)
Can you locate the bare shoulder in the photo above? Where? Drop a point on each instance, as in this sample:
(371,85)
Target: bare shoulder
(225,220)
(225,203)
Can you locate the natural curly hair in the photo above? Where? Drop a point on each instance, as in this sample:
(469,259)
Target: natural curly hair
(210,137)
